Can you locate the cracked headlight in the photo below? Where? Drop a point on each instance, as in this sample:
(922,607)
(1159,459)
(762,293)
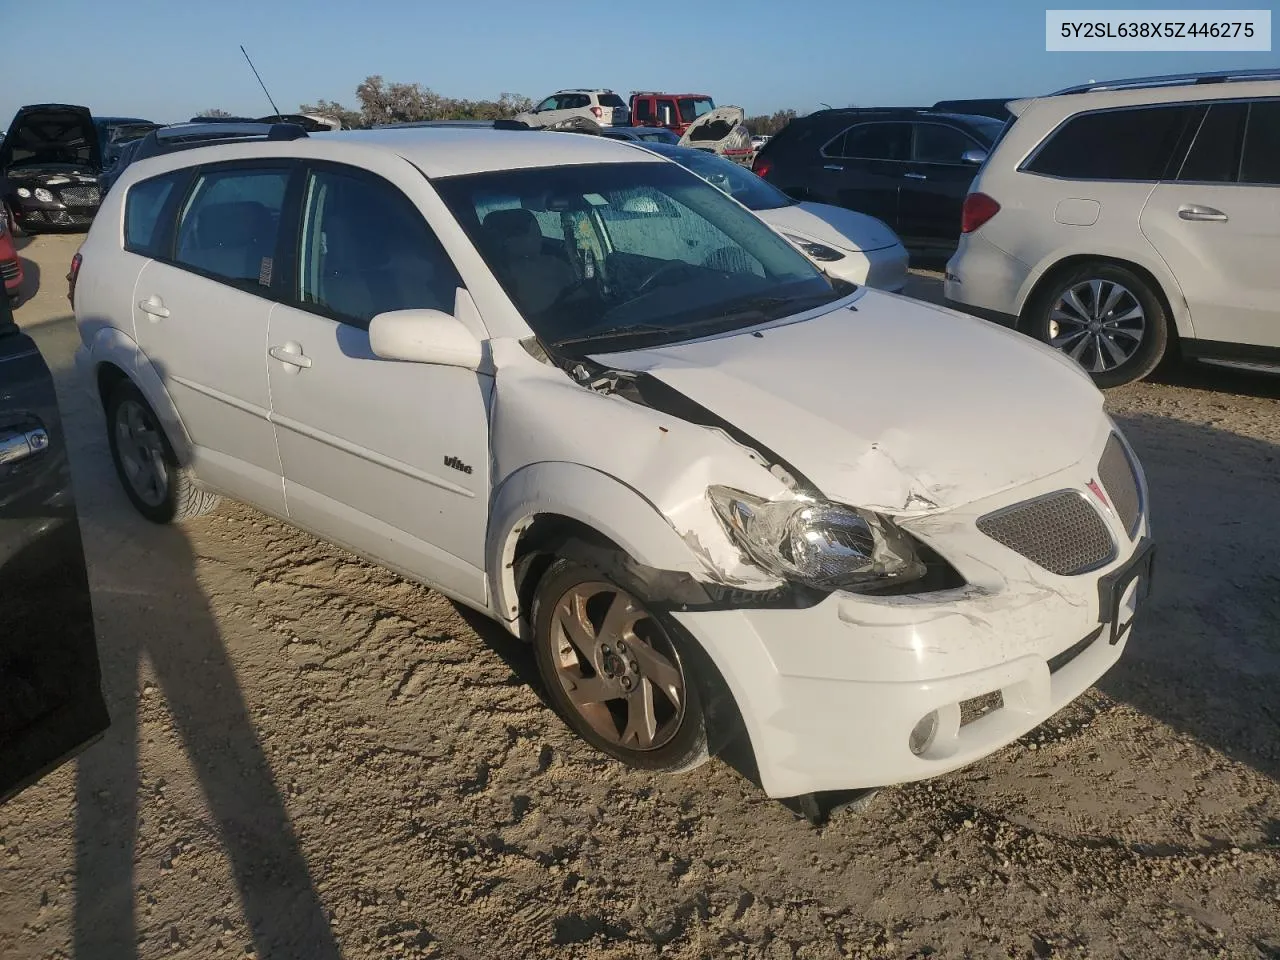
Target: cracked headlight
(43,195)
(816,543)
(816,251)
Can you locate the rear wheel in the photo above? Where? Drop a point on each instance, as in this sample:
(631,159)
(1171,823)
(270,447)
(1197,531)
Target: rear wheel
(159,488)
(621,674)
(1106,318)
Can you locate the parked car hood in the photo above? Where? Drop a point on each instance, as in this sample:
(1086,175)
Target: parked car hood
(722,127)
(893,405)
(834,226)
(51,134)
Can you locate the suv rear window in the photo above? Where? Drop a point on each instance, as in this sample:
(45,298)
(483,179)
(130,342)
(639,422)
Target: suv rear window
(1129,144)
(142,209)
(610,100)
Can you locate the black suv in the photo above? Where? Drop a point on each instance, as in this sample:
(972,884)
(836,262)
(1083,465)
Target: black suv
(909,167)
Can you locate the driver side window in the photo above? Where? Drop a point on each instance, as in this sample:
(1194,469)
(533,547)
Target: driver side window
(548,104)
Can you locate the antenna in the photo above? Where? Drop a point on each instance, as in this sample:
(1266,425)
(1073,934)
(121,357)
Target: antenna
(260,83)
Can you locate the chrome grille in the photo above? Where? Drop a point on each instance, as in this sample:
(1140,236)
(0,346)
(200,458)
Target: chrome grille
(9,270)
(1120,481)
(80,196)
(1060,531)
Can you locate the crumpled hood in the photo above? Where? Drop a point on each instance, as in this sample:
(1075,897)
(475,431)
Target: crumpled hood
(898,405)
(834,226)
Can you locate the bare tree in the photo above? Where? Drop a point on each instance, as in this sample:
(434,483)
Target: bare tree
(383,102)
(769,124)
(215,112)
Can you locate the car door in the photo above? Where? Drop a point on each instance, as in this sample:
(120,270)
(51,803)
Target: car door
(200,317)
(390,459)
(51,703)
(934,185)
(862,169)
(1216,222)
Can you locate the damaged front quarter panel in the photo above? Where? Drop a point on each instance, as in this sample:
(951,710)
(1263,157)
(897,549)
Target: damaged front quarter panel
(593,419)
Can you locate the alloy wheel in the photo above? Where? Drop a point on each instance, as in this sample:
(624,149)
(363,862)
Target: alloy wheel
(1098,323)
(617,666)
(141,453)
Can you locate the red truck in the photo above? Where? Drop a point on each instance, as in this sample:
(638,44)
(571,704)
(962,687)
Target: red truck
(675,111)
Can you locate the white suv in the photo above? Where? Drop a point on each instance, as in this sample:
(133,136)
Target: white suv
(571,385)
(1119,222)
(601,108)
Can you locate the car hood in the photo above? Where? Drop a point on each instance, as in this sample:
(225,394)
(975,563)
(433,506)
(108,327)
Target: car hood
(723,127)
(50,134)
(834,226)
(891,404)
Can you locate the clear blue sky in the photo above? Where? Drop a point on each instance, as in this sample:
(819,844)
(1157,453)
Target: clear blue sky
(162,60)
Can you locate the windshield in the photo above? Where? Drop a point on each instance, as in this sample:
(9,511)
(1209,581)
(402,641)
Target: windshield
(732,178)
(989,129)
(621,255)
(691,108)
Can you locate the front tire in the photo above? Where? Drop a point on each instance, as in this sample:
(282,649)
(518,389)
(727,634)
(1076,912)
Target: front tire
(160,488)
(1105,317)
(623,676)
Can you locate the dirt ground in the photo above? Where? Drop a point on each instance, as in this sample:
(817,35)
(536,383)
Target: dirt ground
(313,758)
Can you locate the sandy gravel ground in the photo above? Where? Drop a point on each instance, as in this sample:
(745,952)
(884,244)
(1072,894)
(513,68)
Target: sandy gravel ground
(313,758)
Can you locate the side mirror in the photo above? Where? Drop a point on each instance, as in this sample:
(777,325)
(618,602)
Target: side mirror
(424,336)
(974,158)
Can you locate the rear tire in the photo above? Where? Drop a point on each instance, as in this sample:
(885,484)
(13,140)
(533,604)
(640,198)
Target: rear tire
(1105,317)
(160,488)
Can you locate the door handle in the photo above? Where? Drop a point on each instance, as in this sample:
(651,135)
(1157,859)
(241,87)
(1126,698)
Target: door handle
(291,353)
(832,166)
(914,176)
(20,444)
(154,307)
(1194,211)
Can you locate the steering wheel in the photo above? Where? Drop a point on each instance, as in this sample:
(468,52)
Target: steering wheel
(670,267)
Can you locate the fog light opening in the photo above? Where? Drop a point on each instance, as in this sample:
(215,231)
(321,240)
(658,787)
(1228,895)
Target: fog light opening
(924,732)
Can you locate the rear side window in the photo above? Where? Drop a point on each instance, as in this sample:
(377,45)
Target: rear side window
(644,109)
(873,141)
(366,250)
(229,226)
(1214,156)
(1114,144)
(1261,160)
(574,101)
(611,100)
(143,208)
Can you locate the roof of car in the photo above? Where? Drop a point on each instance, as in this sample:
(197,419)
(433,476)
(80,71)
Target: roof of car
(1074,100)
(436,151)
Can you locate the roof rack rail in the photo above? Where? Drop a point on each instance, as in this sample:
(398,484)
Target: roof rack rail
(230,131)
(1175,80)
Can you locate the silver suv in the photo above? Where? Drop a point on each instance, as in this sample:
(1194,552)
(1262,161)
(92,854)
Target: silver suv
(603,108)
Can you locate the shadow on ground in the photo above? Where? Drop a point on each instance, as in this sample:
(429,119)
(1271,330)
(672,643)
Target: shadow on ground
(30,280)
(149,605)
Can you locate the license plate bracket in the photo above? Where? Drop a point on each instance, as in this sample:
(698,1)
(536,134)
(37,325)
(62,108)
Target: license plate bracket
(1113,587)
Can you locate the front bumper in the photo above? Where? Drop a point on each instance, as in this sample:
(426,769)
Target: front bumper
(883,269)
(830,694)
(74,210)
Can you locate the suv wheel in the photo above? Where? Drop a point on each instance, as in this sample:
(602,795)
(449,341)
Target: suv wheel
(159,488)
(622,675)
(1107,319)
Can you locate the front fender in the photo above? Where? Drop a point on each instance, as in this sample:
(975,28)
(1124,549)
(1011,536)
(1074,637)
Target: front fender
(110,345)
(590,497)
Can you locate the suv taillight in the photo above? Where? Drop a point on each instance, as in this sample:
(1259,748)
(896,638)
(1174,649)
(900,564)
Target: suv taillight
(71,278)
(598,112)
(978,209)
(760,166)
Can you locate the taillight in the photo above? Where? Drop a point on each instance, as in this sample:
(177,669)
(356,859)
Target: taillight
(598,112)
(760,166)
(978,209)
(71,278)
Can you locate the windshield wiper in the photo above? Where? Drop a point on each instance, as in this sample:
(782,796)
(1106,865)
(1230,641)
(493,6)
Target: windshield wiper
(621,331)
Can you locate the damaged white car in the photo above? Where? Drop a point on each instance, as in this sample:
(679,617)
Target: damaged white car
(571,385)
